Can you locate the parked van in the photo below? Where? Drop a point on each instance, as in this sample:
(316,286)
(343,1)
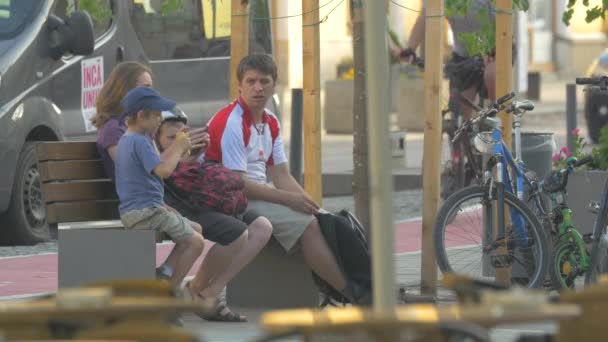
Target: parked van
(56,54)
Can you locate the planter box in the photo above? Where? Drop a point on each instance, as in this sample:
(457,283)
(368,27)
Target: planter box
(338,111)
(411,103)
(585,187)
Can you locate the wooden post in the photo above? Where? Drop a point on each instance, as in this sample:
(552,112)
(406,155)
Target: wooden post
(504,85)
(433,59)
(380,180)
(280,39)
(312,101)
(239,40)
(360,145)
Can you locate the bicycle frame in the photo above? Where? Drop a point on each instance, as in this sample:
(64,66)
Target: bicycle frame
(598,232)
(568,232)
(504,160)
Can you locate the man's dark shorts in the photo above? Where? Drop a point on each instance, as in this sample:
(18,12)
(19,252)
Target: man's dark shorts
(221,228)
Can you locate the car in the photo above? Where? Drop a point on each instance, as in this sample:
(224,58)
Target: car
(596,99)
(55,56)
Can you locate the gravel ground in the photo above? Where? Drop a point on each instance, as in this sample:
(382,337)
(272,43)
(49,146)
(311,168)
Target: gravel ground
(41,248)
(406,204)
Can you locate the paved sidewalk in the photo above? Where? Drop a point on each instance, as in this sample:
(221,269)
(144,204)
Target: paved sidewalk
(36,274)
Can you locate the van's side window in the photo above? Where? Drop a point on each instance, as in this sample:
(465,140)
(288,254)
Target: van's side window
(63,8)
(99,10)
(198,29)
(101,13)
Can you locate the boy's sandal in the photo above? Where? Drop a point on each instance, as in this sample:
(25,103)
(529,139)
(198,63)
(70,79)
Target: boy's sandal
(220,313)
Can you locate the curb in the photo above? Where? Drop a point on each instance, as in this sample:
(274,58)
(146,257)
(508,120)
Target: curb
(341,184)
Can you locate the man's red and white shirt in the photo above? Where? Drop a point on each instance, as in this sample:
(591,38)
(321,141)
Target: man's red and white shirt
(241,144)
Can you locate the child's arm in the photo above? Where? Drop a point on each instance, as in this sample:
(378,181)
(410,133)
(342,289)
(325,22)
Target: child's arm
(172,155)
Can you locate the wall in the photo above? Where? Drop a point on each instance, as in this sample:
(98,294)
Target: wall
(579,44)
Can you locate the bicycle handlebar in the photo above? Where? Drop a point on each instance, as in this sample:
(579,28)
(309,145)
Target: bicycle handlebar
(504,99)
(586,80)
(602,81)
(557,180)
(586,160)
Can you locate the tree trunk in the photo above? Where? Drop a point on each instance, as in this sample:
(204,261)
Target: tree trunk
(360,154)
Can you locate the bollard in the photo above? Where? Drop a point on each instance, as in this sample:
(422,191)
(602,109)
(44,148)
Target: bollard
(295,145)
(570,114)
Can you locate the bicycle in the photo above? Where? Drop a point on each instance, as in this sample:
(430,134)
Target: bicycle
(598,258)
(461,164)
(570,260)
(519,243)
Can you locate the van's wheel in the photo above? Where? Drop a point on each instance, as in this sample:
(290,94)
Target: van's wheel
(25,220)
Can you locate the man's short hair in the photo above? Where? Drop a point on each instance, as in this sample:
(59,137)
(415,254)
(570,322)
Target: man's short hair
(261,63)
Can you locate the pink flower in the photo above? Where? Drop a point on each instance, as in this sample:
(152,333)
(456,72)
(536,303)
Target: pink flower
(564,150)
(569,155)
(576,131)
(556,157)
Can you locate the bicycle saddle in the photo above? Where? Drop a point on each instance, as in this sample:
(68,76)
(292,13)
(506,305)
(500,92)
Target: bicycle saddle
(554,182)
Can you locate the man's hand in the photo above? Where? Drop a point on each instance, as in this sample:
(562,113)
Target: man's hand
(409,55)
(301,202)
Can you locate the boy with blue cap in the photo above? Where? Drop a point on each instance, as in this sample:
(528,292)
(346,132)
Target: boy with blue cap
(140,171)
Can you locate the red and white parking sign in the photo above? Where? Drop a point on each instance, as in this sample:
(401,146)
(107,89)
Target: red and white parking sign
(92,81)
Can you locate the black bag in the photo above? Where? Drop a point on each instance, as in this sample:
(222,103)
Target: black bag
(345,237)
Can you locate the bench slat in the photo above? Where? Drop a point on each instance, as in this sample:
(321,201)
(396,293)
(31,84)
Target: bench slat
(71,170)
(70,150)
(79,191)
(82,211)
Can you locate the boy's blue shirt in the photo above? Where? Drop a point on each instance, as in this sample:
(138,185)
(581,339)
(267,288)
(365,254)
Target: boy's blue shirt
(137,185)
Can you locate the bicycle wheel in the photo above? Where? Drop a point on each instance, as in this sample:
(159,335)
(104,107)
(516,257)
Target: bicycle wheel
(465,243)
(598,262)
(564,269)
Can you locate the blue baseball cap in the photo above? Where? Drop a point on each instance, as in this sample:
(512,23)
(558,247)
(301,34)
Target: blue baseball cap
(145,98)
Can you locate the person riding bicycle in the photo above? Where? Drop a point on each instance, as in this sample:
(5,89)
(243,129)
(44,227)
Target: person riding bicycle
(467,74)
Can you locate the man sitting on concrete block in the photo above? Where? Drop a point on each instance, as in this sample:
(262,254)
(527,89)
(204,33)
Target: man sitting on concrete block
(246,137)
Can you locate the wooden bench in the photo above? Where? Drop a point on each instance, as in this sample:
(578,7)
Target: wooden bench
(83,201)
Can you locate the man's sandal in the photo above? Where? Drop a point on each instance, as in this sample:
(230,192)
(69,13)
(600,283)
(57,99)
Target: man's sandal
(221,311)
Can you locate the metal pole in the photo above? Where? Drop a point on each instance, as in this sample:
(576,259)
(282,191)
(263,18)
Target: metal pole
(570,114)
(295,144)
(383,231)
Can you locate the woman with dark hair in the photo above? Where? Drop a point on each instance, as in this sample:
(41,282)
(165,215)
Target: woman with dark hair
(124,77)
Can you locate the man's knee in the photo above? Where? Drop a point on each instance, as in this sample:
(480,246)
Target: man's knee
(261,228)
(241,240)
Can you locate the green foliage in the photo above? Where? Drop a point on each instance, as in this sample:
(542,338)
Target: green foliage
(170,6)
(484,40)
(580,151)
(96,8)
(600,153)
(593,13)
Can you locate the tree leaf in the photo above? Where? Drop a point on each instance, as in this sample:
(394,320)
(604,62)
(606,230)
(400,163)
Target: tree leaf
(567,16)
(594,13)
